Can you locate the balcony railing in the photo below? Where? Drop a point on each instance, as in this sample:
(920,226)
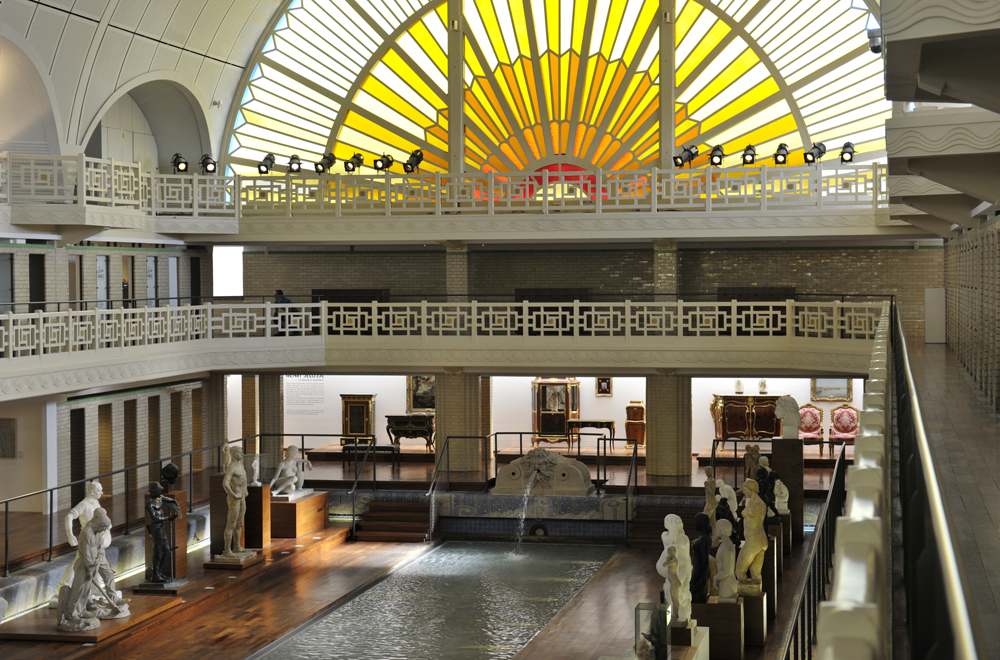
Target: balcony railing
(70,331)
(26,179)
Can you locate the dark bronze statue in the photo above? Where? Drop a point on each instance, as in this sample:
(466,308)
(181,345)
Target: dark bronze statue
(724,512)
(169,474)
(160,509)
(699,558)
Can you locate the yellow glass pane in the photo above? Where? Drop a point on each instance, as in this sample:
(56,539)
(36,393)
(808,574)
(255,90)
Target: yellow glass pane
(394,62)
(729,76)
(579,21)
(430,46)
(685,19)
(765,90)
(520,28)
(646,17)
(704,47)
(611,27)
(492,26)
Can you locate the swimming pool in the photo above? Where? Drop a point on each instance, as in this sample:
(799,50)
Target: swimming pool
(462,601)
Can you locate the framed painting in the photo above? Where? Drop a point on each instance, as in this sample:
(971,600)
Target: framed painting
(604,386)
(8,438)
(419,394)
(832,389)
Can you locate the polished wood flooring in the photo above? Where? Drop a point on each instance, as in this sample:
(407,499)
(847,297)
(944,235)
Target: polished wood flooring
(963,430)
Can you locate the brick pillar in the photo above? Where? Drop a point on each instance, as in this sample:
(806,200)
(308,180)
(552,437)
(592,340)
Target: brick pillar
(457,398)
(665,268)
(668,425)
(271,418)
(485,406)
(214,415)
(456,270)
(251,404)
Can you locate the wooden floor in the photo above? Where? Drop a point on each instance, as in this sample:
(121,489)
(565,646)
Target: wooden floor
(963,430)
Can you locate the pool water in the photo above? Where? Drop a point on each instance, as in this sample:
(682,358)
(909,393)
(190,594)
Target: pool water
(462,601)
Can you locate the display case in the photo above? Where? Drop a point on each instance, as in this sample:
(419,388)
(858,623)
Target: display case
(554,401)
(359,418)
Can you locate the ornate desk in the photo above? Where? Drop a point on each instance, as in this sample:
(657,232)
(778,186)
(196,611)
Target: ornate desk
(417,425)
(573,427)
(745,417)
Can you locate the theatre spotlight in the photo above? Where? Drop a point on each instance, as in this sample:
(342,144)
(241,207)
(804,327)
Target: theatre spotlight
(180,165)
(686,156)
(413,162)
(208,165)
(325,163)
(749,155)
(847,153)
(815,153)
(383,163)
(265,165)
(294,164)
(353,163)
(715,158)
(781,154)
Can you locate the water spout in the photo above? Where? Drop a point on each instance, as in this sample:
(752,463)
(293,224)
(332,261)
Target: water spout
(524,511)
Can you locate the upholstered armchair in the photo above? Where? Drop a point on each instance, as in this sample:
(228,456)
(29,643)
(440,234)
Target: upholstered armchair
(811,430)
(844,422)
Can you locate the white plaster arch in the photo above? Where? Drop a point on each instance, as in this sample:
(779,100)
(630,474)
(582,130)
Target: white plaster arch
(176,110)
(25,57)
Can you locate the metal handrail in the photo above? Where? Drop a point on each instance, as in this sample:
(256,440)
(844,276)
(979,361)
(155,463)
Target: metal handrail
(800,633)
(914,446)
(358,470)
(629,486)
(446,455)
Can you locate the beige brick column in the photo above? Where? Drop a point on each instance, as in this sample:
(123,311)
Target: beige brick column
(214,418)
(668,425)
(456,270)
(485,406)
(251,405)
(272,418)
(665,279)
(457,399)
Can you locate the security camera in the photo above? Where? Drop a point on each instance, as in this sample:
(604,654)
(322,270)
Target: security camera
(875,41)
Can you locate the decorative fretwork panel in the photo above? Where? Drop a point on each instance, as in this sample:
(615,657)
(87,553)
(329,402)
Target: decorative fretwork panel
(762,320)
(449,321)
(550,320)
(653,320)
(500,320)
(706,320)
(349,320)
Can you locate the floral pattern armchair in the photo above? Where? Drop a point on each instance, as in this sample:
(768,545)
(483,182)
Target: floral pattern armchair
(844,421)
(811,430)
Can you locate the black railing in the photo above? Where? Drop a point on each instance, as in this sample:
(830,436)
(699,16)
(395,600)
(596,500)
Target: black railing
(444,455)
(359,467)
(633,468)
(937,615)
(800,633)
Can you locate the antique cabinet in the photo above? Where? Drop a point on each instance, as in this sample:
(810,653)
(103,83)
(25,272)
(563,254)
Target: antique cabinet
(635,423)
(745,417)
(416,425)
(359,418)
(554,401)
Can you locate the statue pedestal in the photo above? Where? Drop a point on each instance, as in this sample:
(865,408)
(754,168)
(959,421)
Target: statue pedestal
(291,520)
(786,535)
(769,576)
(778,532)
(684,635)
(257,527)
(786,460)
(725,621)
(218,508)
(235,565)
(180,539)
(755,620)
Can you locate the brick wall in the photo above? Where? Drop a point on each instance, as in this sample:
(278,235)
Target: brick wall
(903,272)
(668,424)
(457,399)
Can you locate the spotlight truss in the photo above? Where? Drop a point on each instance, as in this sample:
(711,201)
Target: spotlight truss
(383,163)
(294,164)
(781,154)
(815,153)
(686,156)
(847,153)
(353,163)
(208,165)
(413,162)
(266,165)
(749,155)
(717,155)
(325,163)
(180,165)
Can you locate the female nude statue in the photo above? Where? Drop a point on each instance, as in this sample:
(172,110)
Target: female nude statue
(755,542)
(291,474)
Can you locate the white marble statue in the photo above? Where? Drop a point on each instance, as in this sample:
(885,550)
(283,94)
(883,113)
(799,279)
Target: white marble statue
(787,410)
(725,560)
(256,470)
(674,565)
(765,463)
(235,484)
(780,497)
(710,498)
(77,610)
(725,490)
(3,609)
(751,557)
(83,511)
(291,473)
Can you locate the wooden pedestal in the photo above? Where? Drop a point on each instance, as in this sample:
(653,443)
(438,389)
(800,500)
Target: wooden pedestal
(786,535)
(218,508)
(769,576)
(684,635)
(755,620)
(291,520)
(786,460)
(778,532)
(725,621)
(257,527)
(235,565)
(40,625)
(180,536)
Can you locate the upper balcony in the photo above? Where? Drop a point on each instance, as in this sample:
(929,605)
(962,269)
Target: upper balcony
(56,352)
(79,197)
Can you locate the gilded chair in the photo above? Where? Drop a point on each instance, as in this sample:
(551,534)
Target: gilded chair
(811,429)
(844,422)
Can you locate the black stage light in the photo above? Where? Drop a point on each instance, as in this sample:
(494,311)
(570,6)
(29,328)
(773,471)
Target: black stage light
(413,162)
(383,163)
(686,156)
(324,165)
(353,163)
(208,165)
(294,164)
(749,155)
(180,165)
(815,153)
(781,154)
(847,153)
(265,165)
(715,158)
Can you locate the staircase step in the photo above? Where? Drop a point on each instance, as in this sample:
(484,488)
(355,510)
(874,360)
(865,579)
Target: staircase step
(401,516)
(391,537)
(393,526)
(399,506)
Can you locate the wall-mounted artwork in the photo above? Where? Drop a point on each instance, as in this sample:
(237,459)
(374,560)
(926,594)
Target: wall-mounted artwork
(832,389)
(419,394)
(8,438)
(604,387)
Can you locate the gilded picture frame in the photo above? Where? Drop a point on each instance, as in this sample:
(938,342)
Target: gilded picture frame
(8,438)
(419,394)
(832,389)
(604,386)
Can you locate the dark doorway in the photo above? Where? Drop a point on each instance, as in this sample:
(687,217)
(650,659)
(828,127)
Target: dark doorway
(153,426)
(36,282)
(195,280)
(553,295)
(755,293)
(78,452)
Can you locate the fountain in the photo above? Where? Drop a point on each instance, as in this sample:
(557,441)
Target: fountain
(524,511)
(541,472)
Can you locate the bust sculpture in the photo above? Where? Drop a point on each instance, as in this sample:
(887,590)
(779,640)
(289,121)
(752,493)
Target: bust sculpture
(725,559)
(291,473)
(787,410)
(83,511)
(765,463)
(726,491)
(780,497)
(169,474)
(710,501)
(751,558)
(700,559)
(674,565)
(751,461)
(77,611)
(724,512)
(235,484)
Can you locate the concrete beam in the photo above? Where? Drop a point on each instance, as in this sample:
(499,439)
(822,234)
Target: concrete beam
(955,209)
(972,174)
(933,225)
